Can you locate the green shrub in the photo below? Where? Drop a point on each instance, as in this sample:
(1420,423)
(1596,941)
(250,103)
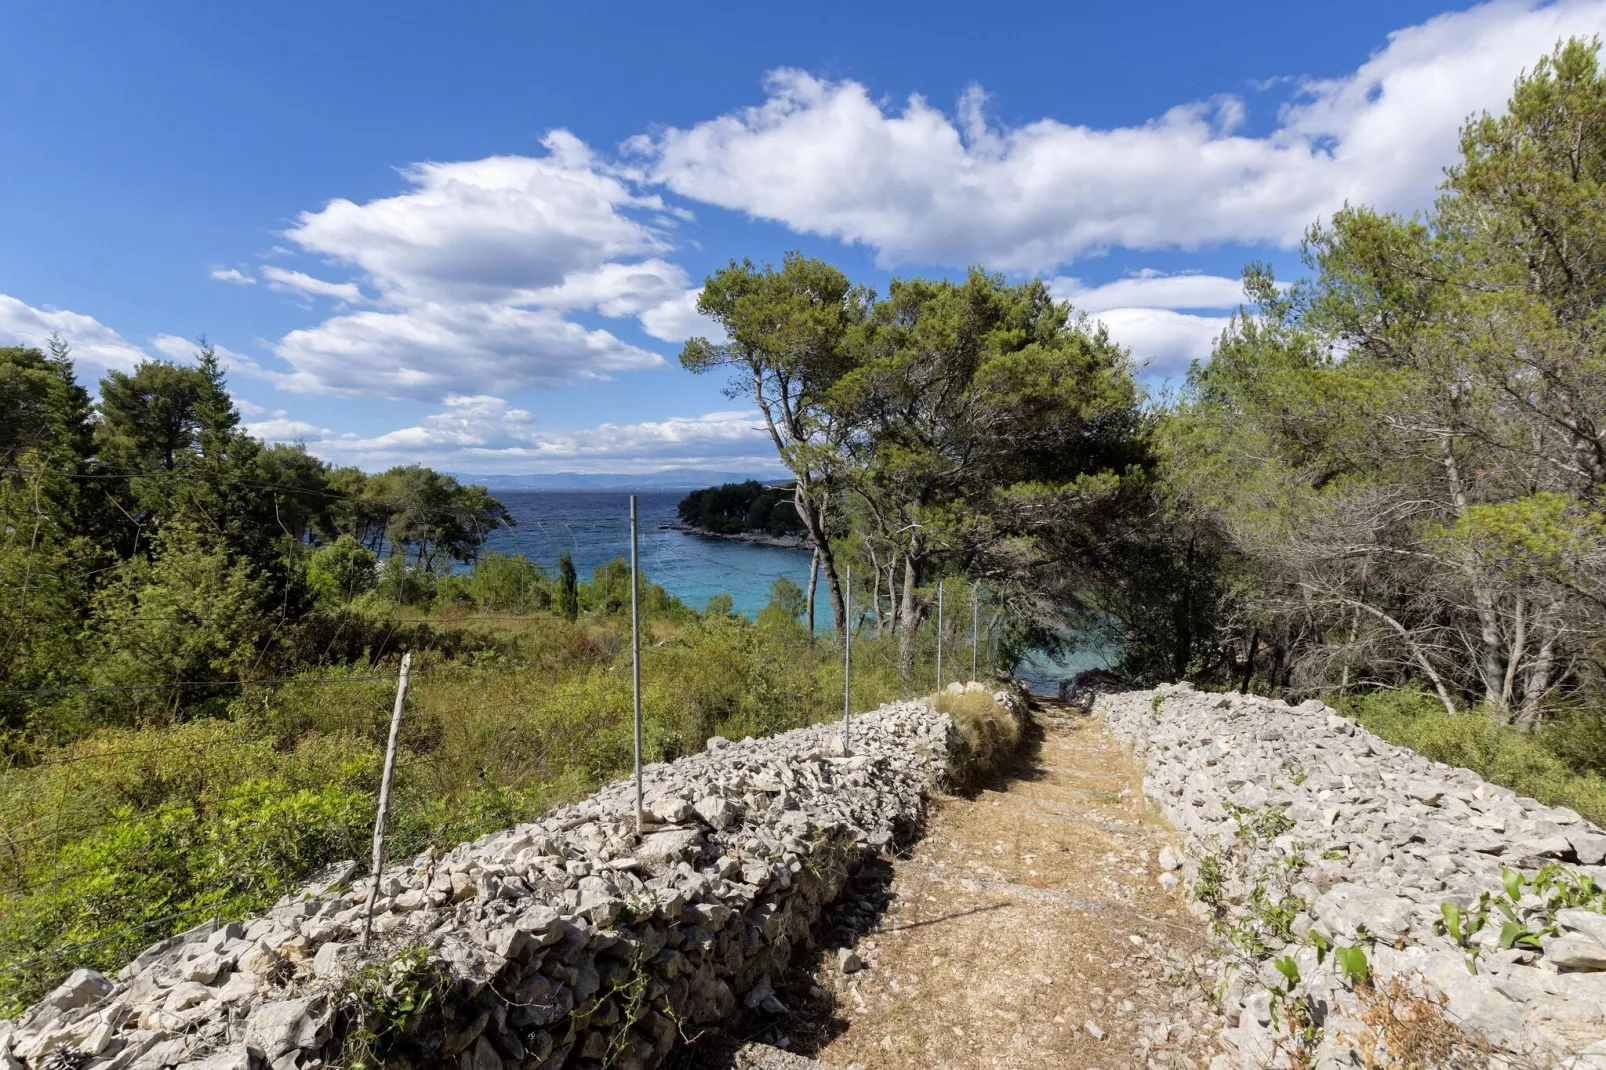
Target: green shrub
(1412,717)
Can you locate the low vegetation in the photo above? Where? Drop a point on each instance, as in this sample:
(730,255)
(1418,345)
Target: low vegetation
(1545,765)
(991,733)
(134,831)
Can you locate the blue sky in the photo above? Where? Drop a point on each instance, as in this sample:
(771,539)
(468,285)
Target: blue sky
(471,235)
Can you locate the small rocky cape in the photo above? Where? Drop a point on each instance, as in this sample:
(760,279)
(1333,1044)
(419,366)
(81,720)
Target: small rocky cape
(564,942)
(1363,843)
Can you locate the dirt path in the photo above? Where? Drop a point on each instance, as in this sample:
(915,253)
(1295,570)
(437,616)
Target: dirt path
(1028,928)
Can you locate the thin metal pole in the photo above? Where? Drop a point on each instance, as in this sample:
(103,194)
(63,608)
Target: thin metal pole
(975,622)
(378,863)
(847,666)
(939,635)
(635,658)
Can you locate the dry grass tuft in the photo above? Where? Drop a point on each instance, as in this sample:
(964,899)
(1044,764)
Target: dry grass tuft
(1403,1028)
(991,733)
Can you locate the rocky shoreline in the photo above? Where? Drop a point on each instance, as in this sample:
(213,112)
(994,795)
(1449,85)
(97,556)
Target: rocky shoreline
(1366,897)
(757,538)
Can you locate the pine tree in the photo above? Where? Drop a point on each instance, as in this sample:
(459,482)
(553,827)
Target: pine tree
(568,588)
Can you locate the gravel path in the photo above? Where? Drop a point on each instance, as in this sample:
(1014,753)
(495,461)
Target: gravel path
(1027,928)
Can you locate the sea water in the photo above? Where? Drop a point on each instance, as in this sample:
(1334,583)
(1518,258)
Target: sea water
(594,527)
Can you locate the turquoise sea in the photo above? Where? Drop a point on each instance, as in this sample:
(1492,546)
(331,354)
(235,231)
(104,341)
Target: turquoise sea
(594,526)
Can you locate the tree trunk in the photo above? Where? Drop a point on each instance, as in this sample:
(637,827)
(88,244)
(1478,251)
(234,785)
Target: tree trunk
(892,595)
(1538,683)
(814,580)
(1182,619)
(1249,663)
(1483,602)
(1349,652)
(822,548)
(1519,640)
(909,613)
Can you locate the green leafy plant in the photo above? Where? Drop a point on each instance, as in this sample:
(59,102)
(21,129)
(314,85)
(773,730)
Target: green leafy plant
(1210,884)
(1353,965)
(384,1004)
(1462,928)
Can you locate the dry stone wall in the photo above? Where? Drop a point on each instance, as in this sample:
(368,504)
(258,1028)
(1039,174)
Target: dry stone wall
(566,942)
(1297,822)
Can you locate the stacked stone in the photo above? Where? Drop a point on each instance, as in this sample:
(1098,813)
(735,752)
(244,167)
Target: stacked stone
(564,942)
(1386,837)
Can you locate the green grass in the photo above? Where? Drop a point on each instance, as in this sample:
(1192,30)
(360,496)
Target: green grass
(1528,765)
(118,839)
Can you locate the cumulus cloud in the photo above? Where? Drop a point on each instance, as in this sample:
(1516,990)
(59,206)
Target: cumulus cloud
(234,275)
(919,185)
(430,351)
(490,229)
(477,268)
(276,425)
(299,282)
(92,342)
(1151,289)
(484,433)
(677,319)
(1140,312)
(280,428)
(1163,342)
(615,289)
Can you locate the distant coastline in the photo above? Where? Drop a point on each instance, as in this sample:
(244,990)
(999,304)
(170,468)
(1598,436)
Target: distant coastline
(757,538)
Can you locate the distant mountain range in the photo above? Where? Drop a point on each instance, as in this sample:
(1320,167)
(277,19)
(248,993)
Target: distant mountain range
(666,479)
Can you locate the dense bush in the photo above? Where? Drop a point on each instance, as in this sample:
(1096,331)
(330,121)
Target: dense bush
(1527,764)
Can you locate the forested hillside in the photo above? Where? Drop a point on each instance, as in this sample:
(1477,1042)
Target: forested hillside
(749,507)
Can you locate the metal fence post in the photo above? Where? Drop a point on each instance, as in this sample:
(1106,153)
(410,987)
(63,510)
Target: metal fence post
(635,658)
(384,797)
(975,621)
(847,665)
(939,636)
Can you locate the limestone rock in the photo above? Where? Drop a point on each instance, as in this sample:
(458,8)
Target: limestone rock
(289,1025)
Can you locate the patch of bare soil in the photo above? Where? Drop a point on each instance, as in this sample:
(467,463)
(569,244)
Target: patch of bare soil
(1028,928)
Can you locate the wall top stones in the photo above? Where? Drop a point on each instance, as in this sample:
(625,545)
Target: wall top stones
(1363,843)
(563,942)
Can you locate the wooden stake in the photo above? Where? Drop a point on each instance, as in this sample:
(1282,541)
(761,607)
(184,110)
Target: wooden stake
(384,797)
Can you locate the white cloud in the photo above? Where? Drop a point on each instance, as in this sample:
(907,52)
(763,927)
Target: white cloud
(431,351)
(234,275)
(92,342)
(486,230)
(1161,340)
(614,289)
(483,433)
(920,186)
(1140,313)
(677,319)
(1151,290)
(280,428)
(476,267)
(299,282)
